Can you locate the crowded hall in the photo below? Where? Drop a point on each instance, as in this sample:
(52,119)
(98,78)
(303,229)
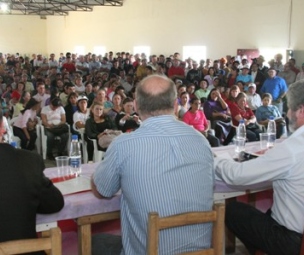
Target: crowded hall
(121,143)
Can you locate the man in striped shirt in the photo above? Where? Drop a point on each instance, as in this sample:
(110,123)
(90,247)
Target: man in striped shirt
(164,166)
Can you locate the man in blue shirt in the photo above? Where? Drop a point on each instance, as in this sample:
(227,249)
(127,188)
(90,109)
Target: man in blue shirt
(276,86)
(245,77)
(164,166)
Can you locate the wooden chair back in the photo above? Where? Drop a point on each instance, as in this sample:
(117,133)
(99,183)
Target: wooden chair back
(51,242)
(155,224)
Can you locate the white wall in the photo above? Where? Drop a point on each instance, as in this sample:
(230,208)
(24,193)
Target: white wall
(168,25)
(23,34)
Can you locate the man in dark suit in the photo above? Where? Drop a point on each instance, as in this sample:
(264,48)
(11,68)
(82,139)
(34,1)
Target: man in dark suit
(24,192)
(257,76)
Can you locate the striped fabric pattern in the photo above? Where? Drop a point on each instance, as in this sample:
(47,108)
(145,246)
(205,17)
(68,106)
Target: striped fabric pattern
(164,166)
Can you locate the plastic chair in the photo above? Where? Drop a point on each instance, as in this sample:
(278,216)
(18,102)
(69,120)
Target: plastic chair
(44,140)
(155,224)
(51,242)
(98,155)
(14,138)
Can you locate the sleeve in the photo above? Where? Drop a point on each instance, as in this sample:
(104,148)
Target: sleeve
(258,115)
(50,198)
(25,117)
(208,110)
(107,175)
(273,165)
(90,129)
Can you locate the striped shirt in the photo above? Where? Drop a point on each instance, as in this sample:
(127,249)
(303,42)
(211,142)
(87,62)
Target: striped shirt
(164,166)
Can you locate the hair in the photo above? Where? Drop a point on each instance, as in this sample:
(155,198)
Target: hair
(193,99)
(152,104)
(205,81)
(119,88)
(209,95)
(127,100)
(267,95)
(31,103)
(184,93)
(295,95)
(22,97)
(73,94)
(240,96)
(211,68)
(56,102)
(92,108)
(234,87)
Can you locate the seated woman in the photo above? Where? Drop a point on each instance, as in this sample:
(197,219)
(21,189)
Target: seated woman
(127,120)
(233,92)
(117,108)
(183,106)
(54,120)
(6,133)
(217,111)
(25,125)
(95,127)
(239,111)
(196,118)
(266,110)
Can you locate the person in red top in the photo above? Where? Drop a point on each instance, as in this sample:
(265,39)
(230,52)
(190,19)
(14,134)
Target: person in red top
(69,65)
(176,71)
(195,117)
(239,111)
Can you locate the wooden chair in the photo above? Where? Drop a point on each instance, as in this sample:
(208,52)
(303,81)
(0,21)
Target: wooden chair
(155,224)
(84,229)
(51,242)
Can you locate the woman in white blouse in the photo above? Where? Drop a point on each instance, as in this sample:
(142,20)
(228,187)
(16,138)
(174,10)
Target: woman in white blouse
(24,126)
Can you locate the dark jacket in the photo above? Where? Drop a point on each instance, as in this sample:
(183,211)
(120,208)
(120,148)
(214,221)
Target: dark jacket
(24,192)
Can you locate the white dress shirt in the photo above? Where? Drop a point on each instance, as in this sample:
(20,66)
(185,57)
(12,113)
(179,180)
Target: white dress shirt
(283,165)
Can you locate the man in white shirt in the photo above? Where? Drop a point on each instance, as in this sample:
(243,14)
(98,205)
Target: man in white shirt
(280,230)
(41,95)
(253,99)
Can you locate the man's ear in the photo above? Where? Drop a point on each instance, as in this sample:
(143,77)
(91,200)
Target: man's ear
(135,106)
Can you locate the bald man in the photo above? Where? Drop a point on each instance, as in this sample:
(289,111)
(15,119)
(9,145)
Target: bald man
(164,166)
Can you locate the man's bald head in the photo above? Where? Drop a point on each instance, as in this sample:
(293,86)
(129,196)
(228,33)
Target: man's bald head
(155,96)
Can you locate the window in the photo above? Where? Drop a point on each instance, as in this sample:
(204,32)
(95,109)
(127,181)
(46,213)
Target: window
(196,53)
(79,50)
(269,53)
(99,50)
(142,50)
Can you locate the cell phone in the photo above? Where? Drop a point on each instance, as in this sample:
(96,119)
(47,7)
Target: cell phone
(245,156)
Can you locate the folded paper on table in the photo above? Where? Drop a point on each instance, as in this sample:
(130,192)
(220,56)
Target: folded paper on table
(74,185)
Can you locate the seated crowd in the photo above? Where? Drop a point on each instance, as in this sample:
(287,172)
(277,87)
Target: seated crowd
(220,92)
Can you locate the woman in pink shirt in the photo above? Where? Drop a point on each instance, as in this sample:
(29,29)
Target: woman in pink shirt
(195,117)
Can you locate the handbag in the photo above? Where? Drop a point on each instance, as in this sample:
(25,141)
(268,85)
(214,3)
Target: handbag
(59,130)
(105,140)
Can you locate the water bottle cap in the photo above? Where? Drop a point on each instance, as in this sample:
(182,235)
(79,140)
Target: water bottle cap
(74,137)
(271,117)
(242,121)
(14,144)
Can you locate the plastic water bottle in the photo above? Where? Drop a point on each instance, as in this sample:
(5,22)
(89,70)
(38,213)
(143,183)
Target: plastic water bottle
(240,137)
(241,130)
(271,131)
(14,144)
(75,156)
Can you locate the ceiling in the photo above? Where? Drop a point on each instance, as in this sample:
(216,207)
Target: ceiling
(45,8)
